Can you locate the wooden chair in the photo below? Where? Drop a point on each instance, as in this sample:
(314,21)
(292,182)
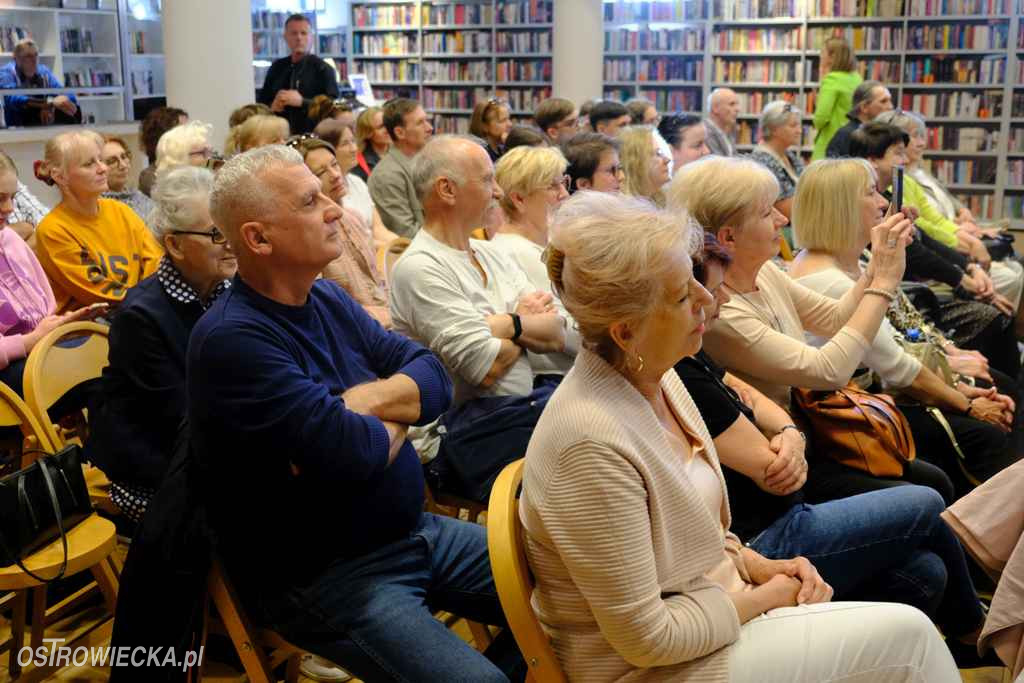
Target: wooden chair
(389,253)
(249,641)
(51,371)
(513,579)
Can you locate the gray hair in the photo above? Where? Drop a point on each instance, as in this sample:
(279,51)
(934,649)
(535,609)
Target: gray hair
(775,115)
(239,193)
(862,94)
(176,195)
(437,160)
(175,145)
(909,122)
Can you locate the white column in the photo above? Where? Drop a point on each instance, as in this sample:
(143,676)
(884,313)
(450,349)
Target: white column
(208,59)
(578,49)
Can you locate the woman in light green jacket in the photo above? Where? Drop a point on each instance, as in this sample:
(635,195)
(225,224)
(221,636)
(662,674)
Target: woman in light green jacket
(839,78)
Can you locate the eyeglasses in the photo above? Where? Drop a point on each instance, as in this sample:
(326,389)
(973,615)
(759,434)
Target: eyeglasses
(215,235)
(341,105)
(296,140)
(565,181)
(122,158)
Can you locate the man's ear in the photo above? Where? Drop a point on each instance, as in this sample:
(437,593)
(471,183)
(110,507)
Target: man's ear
(253,236)
(446,190)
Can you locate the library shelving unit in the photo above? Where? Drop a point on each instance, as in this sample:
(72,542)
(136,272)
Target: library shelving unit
(268,42)
(449,55)
(960,63)
(144,56)
(81,44)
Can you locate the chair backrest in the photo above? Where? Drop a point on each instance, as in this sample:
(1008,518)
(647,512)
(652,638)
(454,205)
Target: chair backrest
(65,358)
(14,412)
(389,253)
(512,576)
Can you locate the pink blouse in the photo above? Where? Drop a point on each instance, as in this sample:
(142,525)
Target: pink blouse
(25,295)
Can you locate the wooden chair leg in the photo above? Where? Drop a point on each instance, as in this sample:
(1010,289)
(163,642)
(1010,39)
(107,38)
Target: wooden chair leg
(17,632)
(482,637)
(239,630)
(106,579)
(291,672)
(38,615)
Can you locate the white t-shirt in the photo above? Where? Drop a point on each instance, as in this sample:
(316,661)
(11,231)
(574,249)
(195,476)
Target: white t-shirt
(358,199)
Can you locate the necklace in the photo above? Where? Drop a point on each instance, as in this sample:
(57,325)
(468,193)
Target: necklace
(778,324)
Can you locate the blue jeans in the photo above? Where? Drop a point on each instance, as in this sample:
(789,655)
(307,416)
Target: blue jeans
(888,545)
(373,615)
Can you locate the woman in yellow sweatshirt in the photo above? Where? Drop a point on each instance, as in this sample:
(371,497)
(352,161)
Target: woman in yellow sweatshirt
(92,249)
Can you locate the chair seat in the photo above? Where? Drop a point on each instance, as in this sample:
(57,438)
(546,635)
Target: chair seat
(88,543)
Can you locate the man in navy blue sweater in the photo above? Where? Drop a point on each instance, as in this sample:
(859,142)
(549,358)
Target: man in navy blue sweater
(299,404)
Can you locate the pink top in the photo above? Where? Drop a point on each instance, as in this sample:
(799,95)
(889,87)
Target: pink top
(25,295)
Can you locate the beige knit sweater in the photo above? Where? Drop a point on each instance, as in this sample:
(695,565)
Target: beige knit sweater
(618,539)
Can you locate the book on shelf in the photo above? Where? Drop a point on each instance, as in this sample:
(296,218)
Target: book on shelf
(391,71)
(962,171)
(137,42)
(859,37)
(331,43)
(448,124)
(455,98)
(663,39)
(10,35)
(523,99)
(974,104)
(1017,105)
(754,102)
(76,40)
(932,8)
(958,36)
(852,9)
(457,42)
(384,94)
(620,11)
(524,11)
(88,78)
(738,40)
(878,69)
(469,70)
(461,14)
(755,70)
(962,138)
(621,94)
(991,69)
(670,69)
(384,16)
(270,19)
(619,69)
(1015,172)
(384,44)
(981,205)
(523,41)
(269,45)
(523,70)
(1016,141)
(734,10)
(142,82)
(688,99)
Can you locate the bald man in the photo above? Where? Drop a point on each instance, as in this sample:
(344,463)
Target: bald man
(299,404)
(723,110)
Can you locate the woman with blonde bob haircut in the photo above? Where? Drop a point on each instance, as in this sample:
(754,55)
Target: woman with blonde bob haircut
(660,589)
(837,204)
(92,249)
(534,185)
(256,131)
(184,145)
(645,167)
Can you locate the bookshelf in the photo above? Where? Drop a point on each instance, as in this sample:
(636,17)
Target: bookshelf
(144,57)
(268,43)
(81,46)
(449,55)
(958,62)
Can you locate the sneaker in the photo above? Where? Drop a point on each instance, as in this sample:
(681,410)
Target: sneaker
(320,669)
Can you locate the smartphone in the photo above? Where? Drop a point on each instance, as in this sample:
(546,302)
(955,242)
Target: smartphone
(896,205)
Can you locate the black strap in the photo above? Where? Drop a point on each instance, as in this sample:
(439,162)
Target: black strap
(42,462)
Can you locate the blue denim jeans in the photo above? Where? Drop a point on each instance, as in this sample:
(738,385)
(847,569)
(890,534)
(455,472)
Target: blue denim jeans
(373,615)
(889,545)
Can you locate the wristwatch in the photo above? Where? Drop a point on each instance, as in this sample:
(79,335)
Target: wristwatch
(517,326)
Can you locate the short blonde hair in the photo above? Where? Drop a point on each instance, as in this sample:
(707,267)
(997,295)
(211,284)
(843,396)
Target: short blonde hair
(635,158)
(245,135)
(718,191)
(64,149)
(525,170)
(176,144)
(609,257)
(826,208)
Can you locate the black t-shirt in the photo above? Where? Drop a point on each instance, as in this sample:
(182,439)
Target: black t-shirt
(311,76)
(753,510)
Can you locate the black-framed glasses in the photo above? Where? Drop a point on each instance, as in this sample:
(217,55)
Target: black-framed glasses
(215,235)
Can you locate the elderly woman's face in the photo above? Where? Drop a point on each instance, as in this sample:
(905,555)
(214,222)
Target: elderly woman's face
(324,166)
(675,327)
(201,261)
(758,238)
(86,172)
(918,143)
(119,163)
(872,211)
(788,134)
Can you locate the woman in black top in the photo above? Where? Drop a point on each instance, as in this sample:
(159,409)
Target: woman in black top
(887,544)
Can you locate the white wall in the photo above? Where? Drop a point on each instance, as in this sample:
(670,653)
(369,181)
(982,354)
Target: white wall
(578,57)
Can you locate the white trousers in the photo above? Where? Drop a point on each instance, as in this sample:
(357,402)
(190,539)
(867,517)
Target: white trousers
(852,642)
(1007,279)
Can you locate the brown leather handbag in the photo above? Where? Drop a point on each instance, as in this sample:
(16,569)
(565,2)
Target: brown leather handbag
(858,429)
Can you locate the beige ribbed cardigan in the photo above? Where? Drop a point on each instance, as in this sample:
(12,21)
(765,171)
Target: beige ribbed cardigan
(618,539)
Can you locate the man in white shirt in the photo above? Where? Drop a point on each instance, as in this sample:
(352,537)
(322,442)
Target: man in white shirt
(465,300)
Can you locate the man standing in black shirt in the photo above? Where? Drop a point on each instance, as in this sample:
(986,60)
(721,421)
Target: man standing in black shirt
(293,81)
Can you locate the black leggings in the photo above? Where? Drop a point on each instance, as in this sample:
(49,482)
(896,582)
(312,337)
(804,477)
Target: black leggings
(987,449)
(829,480)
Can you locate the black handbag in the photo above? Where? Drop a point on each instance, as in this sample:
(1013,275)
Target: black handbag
(39,504)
